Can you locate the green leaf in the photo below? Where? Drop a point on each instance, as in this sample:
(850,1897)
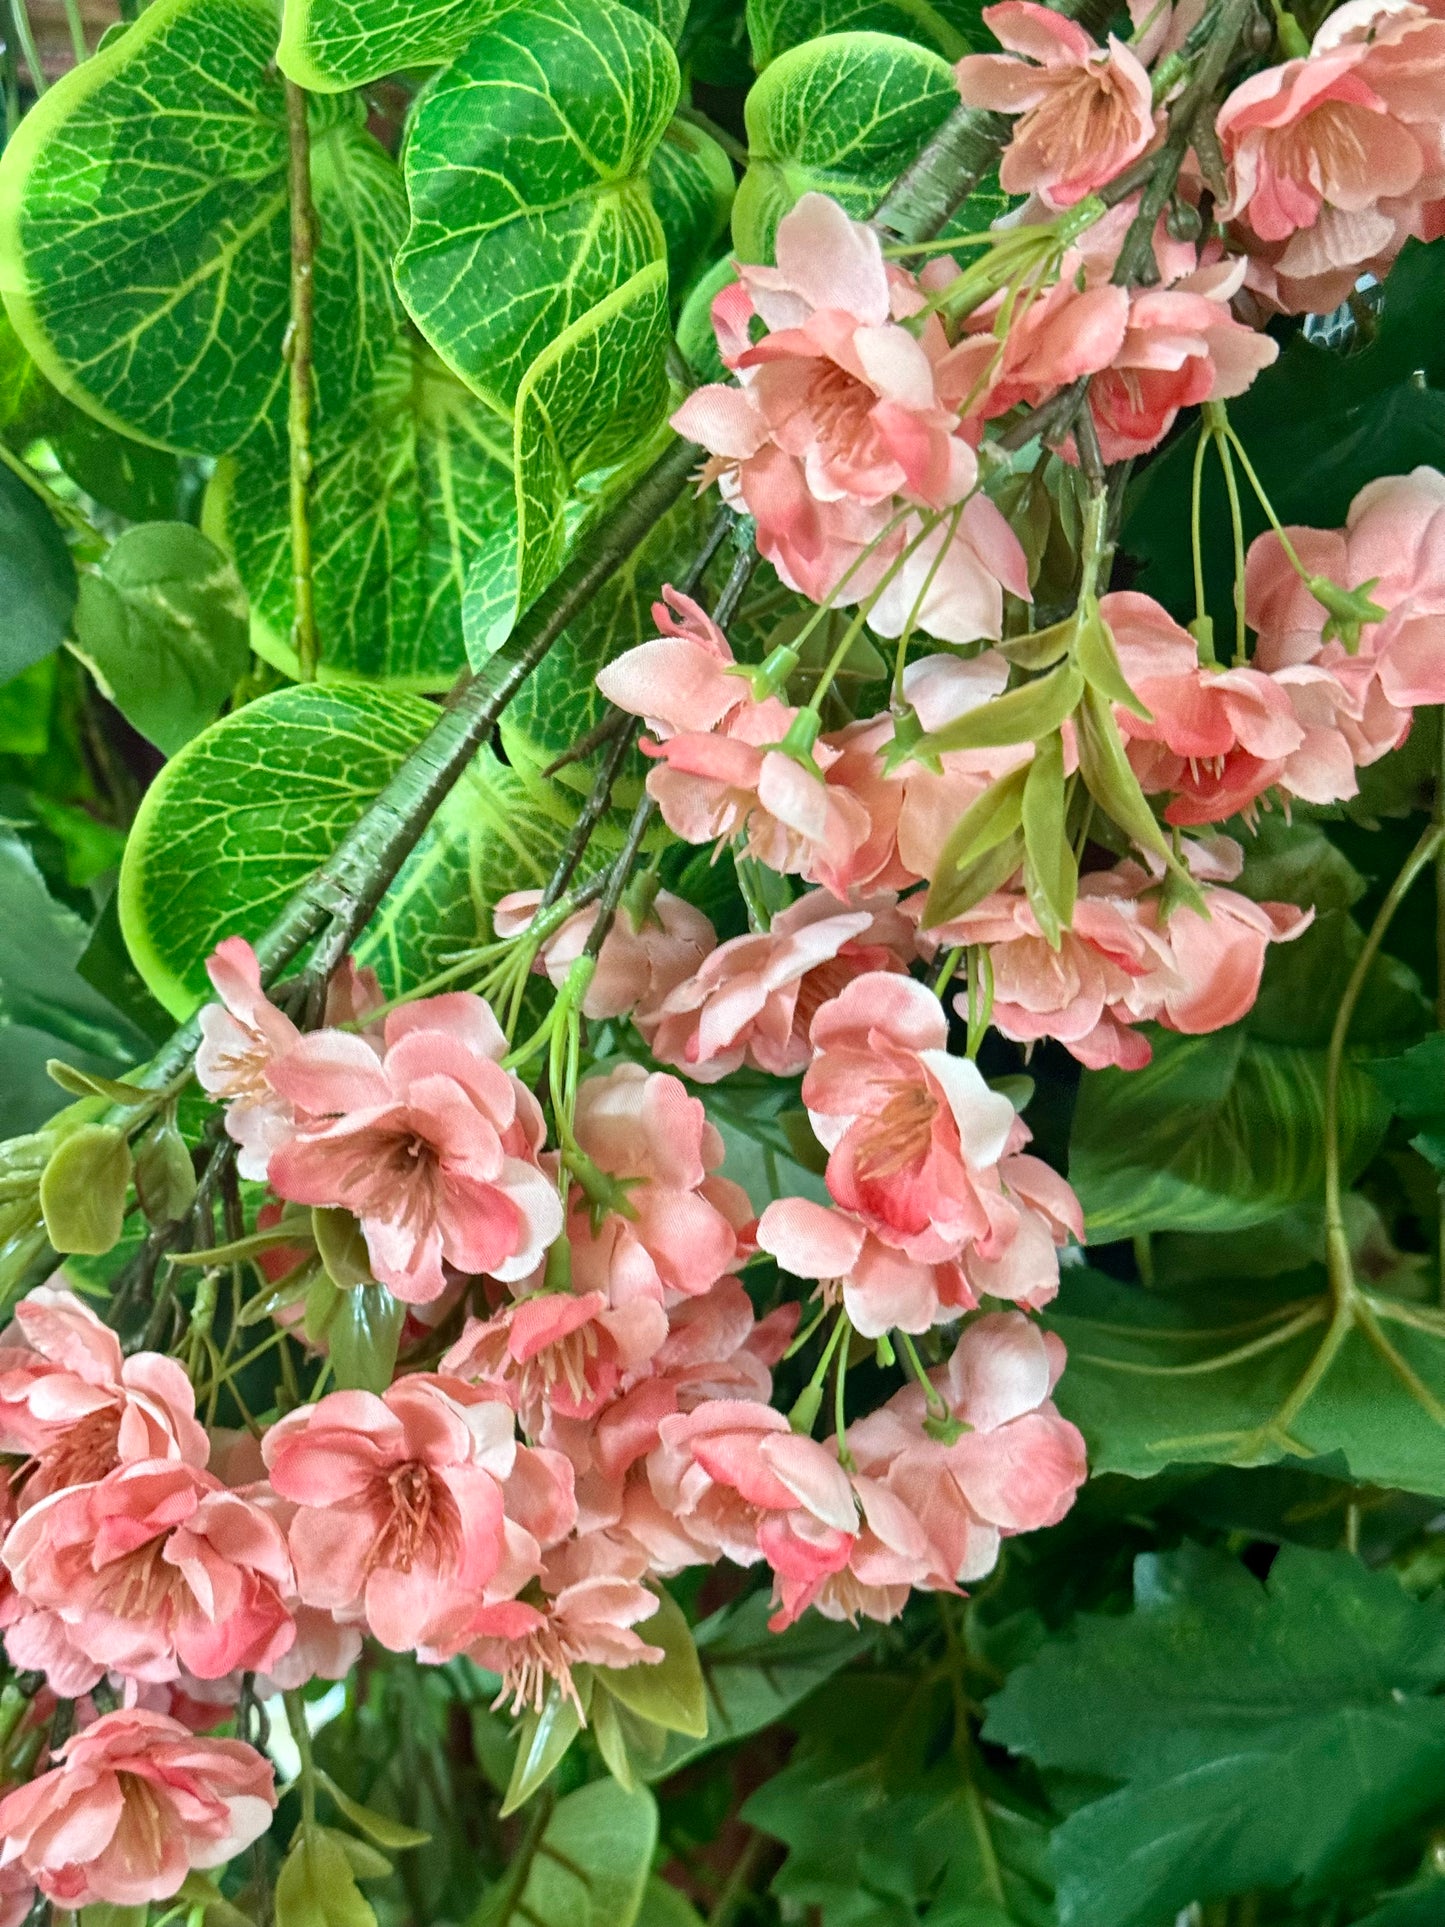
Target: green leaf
(589,1865)
(545,1738)
(37,579)
(696,338)
(1215,1133)
(155,293)
(408,487)
(330,44)
(83,1189)
(841,116)
(526,169)
(1051,875)
(161,624)
(380,1827)
(139,482)
(664,1906)
(950,27)
(1415,1086)
(753,1676)
(165,1178)
(1108,776)
(362,1337)
(1268,1735)
(316,1886)
(670,1693)
(1209,1376)
(47,1010)
(342,1248)
(239,820)
(1023,715)
(691,179)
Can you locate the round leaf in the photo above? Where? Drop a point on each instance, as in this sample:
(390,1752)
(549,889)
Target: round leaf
(83,1190)
(162,625)
(950,27)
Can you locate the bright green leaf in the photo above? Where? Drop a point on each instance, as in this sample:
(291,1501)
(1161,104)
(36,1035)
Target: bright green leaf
(691,179)
(590,1864)
(669,1693)
(950,27)
(316,1886)
(380,1827)
(545,1737)
(841,116)
(155,292)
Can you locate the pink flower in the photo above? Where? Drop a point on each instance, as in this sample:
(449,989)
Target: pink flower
(1337,158)
(914,1135)
(639,963)
(1214,962)
(73,1404)
(133,1803)
(399,1509)
(591,1598)
(1393,547)
(1086,111)
(155,1568)
(17,1895)
(840,410)
(753,999)
(682,1225)
(1218,738)
(433,1146)
(241,1037)
(558,1351)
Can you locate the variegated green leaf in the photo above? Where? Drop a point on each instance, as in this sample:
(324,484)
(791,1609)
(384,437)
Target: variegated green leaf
(950,27)
(692,190)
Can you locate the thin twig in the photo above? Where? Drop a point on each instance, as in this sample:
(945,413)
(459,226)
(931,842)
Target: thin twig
(299,355)
(593,810)
(25,39)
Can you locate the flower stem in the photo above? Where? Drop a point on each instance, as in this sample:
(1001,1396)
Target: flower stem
(295,1706)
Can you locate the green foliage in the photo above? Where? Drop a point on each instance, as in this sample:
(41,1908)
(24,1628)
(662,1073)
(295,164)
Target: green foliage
(951,29)
(1265,1734)
(1215,1133)
(161,624)
(37,579)
(589,1863)
(840,116)
(189,241)
(691,181)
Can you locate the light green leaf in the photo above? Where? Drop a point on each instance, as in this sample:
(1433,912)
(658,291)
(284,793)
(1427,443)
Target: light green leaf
(161,623)
(1215,1133)
(1213,1376)
(1022,715)
(316,1886)
(691,179)
(545,1737)
(950,27)
(1268,1735)
(1051,874)
(165,1178)
(669,1693)
(380,1827)
(842,115)
(526,169)
(47,1009)
(144,233)
(362,1337)
(664,1906)
(37,579)
(992,819)
(83,1190)
(236,822)
(588,1868)
(408,487)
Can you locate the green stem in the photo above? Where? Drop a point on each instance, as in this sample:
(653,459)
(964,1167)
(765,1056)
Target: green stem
(1439,820)
(295,1706)
(1337,1249)
(298,354)
(57,504)
(26,42)
(77,31)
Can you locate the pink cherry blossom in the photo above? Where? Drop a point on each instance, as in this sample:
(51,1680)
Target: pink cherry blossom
(132,1804)
(241,1037)
(682,1225)
(754,998)
(1393,545)
(433,1146)
(590,1601)
(838,408)
(399,1505)
(641,960)
(1085,111)
(558,1351)
(154,1568)
(71,1403)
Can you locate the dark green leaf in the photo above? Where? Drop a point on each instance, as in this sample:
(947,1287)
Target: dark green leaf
(37,579)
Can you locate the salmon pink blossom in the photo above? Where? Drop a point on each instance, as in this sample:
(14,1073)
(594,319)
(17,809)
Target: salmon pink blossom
(132,1804)
(155,1568)
(74,1406)
(559,1351)
(399,1506)
(754,998)
(643,956)
(433,1145)
(1085,111)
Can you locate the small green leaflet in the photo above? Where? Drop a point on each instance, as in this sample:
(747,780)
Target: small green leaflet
(157,296)
(409,486)
(161,623)
(842,116)
(1267,1734)
(1215,1133)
